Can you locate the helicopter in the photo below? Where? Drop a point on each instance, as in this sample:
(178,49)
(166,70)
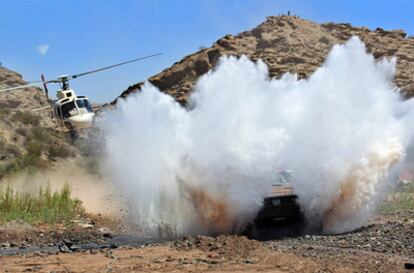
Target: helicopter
(72,112)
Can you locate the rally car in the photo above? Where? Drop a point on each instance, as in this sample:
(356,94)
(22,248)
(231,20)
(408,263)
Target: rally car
(280,207)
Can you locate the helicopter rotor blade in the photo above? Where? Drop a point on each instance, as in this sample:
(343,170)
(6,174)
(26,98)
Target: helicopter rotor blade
(60,80)
(111,66)
(33,84)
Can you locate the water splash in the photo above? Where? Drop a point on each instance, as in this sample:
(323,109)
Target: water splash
(206,169)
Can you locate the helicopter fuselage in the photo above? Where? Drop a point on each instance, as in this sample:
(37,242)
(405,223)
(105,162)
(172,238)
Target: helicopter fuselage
(73,112)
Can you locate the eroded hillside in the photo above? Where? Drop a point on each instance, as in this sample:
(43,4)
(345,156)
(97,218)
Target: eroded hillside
(27,137)
(287,44)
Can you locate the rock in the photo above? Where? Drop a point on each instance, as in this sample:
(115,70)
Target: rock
(67,242)
(159,260)
(409,265)
(39,254)
(93,251)
(105,232)
(250,261)
(83,225)
(63,247)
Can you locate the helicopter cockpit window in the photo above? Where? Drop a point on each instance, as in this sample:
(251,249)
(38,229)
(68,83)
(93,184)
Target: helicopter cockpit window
(69,110)
(84,104)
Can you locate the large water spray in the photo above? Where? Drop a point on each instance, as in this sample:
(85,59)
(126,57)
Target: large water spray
(206,168)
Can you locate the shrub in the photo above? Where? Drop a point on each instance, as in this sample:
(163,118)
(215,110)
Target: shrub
(56,150)
(3,144)
(4,112)
(26,118)
(34,147)
(23,161)
(324,40)
(13,150)
(40,134)
(21,131)
(402,199)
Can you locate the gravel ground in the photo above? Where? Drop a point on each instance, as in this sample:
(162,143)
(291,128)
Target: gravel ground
(385,244)
(388,234)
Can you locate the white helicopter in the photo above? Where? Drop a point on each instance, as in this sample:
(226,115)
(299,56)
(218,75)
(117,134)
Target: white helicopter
(72,112)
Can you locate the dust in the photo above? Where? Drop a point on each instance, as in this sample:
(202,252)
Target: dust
(213,211)
(96,192)
(360,188)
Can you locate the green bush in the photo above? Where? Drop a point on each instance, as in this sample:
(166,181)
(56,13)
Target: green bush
(44,207)
(34,148)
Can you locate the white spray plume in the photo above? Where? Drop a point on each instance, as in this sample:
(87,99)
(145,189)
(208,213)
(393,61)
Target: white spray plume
(206,169)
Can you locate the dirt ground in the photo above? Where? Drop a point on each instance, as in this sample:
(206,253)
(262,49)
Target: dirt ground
(235,254)
(88,228)
(385,244)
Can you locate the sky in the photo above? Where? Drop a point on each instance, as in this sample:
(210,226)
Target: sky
(56,37)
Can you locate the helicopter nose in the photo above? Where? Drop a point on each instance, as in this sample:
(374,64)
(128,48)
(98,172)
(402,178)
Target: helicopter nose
(82,121)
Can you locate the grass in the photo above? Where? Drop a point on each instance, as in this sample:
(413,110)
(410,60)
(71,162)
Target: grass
(43,207)
(402,199)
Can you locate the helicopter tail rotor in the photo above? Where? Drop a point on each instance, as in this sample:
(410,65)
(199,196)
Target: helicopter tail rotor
(45,86)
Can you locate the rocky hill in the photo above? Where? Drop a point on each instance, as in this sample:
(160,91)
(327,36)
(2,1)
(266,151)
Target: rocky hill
(27,138)
(287,44)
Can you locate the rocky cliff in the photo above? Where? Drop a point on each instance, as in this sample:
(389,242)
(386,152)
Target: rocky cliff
(287,44)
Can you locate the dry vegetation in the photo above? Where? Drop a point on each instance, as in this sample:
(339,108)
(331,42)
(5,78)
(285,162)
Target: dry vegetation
(34,145)
(401,200)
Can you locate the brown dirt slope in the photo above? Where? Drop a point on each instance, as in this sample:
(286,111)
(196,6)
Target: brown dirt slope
(287,44)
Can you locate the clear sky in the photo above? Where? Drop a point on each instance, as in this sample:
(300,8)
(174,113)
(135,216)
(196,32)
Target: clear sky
(66,37)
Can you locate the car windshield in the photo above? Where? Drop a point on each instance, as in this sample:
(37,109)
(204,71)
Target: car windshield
(69,110)
(284,177)
(84,103)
